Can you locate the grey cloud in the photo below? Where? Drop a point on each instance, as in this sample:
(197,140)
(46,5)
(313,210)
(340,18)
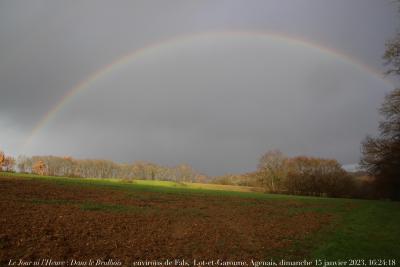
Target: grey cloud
(217,108)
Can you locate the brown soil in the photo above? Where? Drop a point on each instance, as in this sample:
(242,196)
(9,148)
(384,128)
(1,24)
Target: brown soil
(43,220)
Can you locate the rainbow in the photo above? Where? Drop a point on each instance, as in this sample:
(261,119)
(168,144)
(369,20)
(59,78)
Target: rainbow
(129,57)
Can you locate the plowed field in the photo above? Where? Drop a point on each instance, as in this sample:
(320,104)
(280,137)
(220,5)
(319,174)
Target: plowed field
(47,220)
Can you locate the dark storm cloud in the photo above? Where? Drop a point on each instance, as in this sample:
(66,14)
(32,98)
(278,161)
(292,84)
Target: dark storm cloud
(196,111)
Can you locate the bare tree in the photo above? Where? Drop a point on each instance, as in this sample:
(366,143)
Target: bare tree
(2,159)
(24,164)
(381,155)
(318,177)
(9,163)
(272,170)
(39,167)
(392,55)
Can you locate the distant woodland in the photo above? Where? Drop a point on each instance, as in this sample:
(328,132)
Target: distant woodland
(276,173)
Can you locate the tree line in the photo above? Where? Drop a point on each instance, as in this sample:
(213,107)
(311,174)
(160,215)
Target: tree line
(7,163)
(302,175)
(276,173)
(99,168)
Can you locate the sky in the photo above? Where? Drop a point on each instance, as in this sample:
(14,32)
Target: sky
(214,84)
